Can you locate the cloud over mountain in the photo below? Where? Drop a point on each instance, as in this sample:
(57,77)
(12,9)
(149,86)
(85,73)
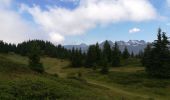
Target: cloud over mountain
(56,22)
(134,30)
(88,14)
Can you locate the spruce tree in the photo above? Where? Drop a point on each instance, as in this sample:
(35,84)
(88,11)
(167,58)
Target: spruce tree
(107,52)
(34,59)
(98,54)
(126,54)
(116,55)
(104,65)
(76,58)
(157,61)
(146,56)
(91,59)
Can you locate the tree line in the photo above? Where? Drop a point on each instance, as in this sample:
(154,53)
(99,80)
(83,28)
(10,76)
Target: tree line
(34,49)
(93,58)
(97,57)
(46,48)
(155,58)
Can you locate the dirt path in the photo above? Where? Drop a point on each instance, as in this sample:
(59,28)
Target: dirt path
(118,90)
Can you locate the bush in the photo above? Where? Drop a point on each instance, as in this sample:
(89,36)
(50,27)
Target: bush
(34,59)
(104,70)
(38,67)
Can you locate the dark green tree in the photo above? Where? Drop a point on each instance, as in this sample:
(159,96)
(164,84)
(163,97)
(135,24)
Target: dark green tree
(157,62)
(125,53)
(76,58)
(91,59)
(107,52)
(146,55)
(98,54)
(116,54)
(34,59)
(104,65)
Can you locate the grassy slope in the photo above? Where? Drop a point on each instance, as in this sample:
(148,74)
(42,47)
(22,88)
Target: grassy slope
(128,80)
(18,82)
(129,83)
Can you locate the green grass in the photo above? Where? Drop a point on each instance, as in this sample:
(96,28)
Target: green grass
(17,82)
(47,87)
(61,82)
(137,83)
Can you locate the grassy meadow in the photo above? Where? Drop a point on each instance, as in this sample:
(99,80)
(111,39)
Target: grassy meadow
(61,82)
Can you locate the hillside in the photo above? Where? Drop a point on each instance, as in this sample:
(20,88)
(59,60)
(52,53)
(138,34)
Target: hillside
(61,82)
(18,82)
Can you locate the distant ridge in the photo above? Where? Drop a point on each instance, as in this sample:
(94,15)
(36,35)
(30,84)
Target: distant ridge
(134,46)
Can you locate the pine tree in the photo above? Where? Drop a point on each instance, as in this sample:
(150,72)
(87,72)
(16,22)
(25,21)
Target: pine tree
(98,54)
(126,54)
(104,65)
(116,56)
(34,59)
(107,52)
(146,55)
(91,59)
(76,58)
(157,61)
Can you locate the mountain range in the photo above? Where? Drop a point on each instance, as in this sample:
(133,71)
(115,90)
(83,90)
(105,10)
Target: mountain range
(134,46)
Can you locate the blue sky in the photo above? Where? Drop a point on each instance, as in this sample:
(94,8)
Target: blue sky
(83,21)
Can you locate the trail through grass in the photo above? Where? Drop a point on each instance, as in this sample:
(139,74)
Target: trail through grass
(122,83)
(118,90)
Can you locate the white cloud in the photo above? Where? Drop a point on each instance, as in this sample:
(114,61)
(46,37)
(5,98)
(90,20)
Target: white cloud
(5,3)
(14,28)
(12,25)
(168,2)
(55,37)
(57,22)
(134,30)
(90,13)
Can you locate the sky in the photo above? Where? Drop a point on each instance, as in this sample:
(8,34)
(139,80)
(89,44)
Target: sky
(83,21)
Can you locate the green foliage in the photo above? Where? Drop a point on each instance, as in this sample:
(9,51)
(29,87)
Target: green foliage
(9,66)
(107,51)
(157,59)
(137,79)
(125,53)
(46,47)
(34,59)
(104,66)
(104,70)
(45,89)
(18,82)
(5,47)
(116,55)
(135,83)
(98,54)
(76,58)
(146,56)
(129,82)
(93,56)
